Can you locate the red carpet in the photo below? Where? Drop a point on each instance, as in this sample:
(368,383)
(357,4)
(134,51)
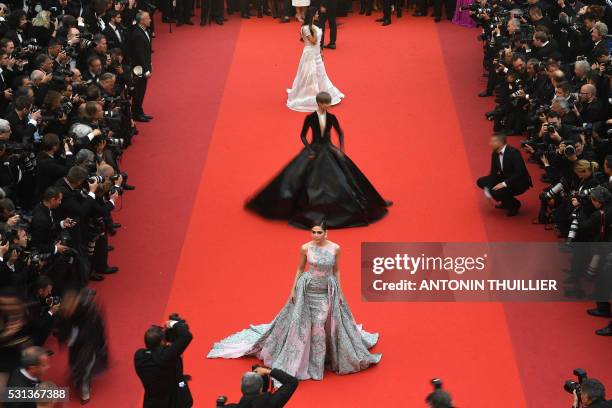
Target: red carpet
(414,125)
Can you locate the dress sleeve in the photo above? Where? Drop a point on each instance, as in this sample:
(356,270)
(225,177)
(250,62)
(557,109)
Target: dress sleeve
(305,31)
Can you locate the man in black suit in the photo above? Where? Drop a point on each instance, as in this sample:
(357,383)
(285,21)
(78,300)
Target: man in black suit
(34,364)
(51,166)
(45,226)
(160,366)
(141,56)
(41,314)
(598,35)
(508,176)
(544,48)
(327,12)
(449,9)
(252,389)
(114,32)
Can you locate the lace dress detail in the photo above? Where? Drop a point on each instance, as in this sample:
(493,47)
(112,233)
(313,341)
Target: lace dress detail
(315,332)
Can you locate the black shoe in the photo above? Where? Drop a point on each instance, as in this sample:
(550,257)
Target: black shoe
(140,118)
(606,331)
(116,225)
(129,187)
(398,12)
(437,19)
(599,313)
(189,22)
(331,46)
(418,14)
(268,13)
(147,116)
(110,270)
(380,20)
(368,13)
(388,203)
(386,23)
(96,277)
(484,94)
(110,248)
(285,19)
(245,15)
(219,21)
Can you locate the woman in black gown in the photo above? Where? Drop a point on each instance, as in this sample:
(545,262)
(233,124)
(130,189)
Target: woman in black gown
(321,182)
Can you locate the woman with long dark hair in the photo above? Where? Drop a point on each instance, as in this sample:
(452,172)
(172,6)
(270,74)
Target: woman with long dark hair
(311,77)
(315,329)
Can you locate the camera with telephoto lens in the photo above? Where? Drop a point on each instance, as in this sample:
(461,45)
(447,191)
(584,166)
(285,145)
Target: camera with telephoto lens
(96,178)
(552,192)
(570,386)
(21,155)
(52,300)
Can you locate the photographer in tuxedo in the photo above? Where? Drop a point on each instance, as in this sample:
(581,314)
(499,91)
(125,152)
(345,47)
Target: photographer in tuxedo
(254,389)
(508,176)
(160,365)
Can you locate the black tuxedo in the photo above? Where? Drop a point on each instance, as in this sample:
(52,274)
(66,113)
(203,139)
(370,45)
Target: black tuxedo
(114,40)
(550,50)
(331,9)
(267,400)
(50,169)
(312,122)
(513,173)
(141,55)
(22,130)
(601,46)
(161,372)
(17,379)
(44,229)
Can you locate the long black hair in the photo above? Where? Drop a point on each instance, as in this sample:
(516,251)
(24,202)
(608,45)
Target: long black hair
(309,17)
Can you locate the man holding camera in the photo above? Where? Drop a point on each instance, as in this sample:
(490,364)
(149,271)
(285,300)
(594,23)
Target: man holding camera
(160,365)
(254,387)
(592,395)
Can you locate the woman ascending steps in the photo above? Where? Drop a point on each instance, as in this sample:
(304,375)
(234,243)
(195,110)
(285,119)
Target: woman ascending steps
(315,329)
(311,77)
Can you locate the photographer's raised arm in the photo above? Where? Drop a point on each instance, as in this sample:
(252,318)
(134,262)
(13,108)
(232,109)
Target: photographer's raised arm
(289,385)
(178,346)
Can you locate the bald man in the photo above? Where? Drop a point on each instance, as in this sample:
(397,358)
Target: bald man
(591,109)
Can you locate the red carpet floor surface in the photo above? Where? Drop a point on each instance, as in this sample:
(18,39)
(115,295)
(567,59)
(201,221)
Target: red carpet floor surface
(414,125)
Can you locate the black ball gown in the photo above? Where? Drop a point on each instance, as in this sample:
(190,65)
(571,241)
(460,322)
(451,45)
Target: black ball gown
(320,183)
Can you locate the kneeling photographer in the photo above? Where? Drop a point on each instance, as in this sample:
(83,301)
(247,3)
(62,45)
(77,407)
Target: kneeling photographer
(160,365)
(255,385)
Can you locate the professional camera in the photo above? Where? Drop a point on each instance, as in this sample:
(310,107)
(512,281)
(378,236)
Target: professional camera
(221,401)
(96,178)
(21,155)
(439,398)
(570,386)
(170,332)
(552,192)
(267,383)
(52,300)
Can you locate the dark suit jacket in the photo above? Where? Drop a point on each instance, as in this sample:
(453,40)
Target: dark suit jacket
(161,370)
(22,131)
(113,40)
(601,46)
(17,379)
(312,122)
(267,400)
(550,50)
(50,169)
(44,229)
(141,49)
(514,171)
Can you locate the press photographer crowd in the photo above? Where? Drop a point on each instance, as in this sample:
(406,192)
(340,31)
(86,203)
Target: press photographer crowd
(73,78)
(548,67)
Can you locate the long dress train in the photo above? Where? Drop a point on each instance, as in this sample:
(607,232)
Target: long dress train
(317,331)
(311,77)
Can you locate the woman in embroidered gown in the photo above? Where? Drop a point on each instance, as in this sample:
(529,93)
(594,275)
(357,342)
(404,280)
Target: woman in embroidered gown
(315,329)
(311,77)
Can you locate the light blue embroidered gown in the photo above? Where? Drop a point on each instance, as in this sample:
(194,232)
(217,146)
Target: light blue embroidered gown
(317,331)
